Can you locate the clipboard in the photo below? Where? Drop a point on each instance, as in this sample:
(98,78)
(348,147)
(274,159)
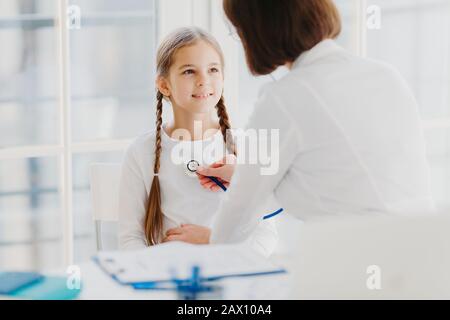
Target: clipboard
(162,264)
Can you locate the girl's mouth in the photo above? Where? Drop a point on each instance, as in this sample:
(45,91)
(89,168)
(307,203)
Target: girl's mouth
(202,96)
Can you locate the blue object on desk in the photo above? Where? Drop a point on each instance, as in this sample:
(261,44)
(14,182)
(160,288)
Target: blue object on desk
(167,284)
(193,288)
(34,286)
(11,282)
(50,288)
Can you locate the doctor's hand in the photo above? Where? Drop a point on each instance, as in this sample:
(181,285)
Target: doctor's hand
(222,169)
(189,233)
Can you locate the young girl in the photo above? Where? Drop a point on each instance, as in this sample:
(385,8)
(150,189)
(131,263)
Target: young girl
(158,195)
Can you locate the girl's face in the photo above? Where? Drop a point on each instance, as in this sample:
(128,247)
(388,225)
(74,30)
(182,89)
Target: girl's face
(195,81)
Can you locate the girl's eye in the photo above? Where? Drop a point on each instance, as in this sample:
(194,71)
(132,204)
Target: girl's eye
(214,70)
(189,71)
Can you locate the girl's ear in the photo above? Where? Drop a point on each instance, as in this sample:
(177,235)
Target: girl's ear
(163,86)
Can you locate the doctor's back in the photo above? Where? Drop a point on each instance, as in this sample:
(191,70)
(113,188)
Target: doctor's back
(350,135)
(359,142)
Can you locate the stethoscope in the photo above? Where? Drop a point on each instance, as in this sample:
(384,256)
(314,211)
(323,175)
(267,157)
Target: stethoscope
(191,170)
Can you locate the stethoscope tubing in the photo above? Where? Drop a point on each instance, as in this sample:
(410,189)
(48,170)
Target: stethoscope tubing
(220,184)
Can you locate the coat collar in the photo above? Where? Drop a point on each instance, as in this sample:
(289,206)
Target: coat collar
(323,48)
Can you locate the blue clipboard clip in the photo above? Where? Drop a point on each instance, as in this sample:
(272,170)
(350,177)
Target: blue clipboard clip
(187,289)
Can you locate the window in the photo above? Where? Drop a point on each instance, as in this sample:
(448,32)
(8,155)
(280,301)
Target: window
(415,38)
(28,73)
(30,214)
(107,82)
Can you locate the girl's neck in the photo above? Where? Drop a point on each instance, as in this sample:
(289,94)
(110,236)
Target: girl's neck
(199,125)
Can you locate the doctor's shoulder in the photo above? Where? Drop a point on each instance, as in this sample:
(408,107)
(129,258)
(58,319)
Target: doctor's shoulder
(285,91)
(378,68)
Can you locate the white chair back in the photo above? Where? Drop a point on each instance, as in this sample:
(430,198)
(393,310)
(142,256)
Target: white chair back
(104,181)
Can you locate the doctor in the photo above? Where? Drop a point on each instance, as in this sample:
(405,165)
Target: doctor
(350,135)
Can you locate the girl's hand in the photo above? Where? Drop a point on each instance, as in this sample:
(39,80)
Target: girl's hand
(222,169)
(189,233)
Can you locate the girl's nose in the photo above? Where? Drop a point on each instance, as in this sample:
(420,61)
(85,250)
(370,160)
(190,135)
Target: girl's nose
(200,83)
(202,80)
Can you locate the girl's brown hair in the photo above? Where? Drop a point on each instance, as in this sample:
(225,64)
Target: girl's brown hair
(275,32)
(171,44)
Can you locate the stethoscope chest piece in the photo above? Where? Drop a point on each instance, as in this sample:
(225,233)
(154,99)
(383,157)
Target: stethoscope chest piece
(191,168)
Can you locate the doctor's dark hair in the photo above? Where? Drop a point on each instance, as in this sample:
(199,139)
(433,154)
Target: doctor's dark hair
(178,39)
(274,32)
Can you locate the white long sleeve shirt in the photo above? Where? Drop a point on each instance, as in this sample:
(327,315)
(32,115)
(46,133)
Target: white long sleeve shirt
(350,143)
(183,199)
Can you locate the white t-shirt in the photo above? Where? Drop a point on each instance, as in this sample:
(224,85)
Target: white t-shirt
(183,199)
